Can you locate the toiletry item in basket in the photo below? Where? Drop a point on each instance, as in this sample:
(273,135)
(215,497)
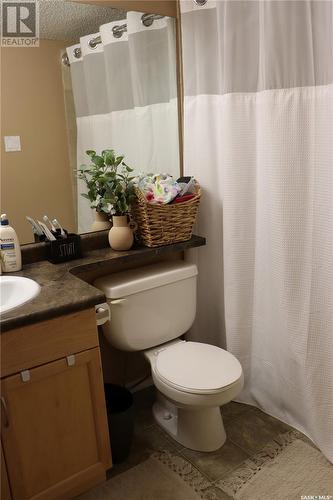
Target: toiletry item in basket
(181,199)
(187,185)
(158,189)
(10,247)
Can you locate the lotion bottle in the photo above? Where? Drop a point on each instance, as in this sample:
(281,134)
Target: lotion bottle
(10,249)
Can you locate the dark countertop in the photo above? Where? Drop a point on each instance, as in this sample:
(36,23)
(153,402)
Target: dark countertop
(63,291)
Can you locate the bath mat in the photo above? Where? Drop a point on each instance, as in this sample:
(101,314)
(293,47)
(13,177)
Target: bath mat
(162,477)
(287,469)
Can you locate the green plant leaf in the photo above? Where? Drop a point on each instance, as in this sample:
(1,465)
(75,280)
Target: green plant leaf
(108,156)
(118,160)
(105,151)
(97,160)
(90,152)
(129,169)
(110,175)
(106,186)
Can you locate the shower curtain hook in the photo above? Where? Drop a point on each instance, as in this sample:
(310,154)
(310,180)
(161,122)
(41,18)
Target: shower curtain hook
(118,30)
(200,2)
(94,42)
(148,19)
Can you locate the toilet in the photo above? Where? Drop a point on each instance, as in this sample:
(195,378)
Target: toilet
(151,308)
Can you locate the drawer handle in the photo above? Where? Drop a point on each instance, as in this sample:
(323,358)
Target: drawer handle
(5,412)
(70,360)
(25,376)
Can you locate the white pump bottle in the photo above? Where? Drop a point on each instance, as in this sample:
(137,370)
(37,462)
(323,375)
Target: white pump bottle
(11,260)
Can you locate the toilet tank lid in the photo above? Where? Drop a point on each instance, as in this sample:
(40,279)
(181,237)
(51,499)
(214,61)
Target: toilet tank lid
(137,280)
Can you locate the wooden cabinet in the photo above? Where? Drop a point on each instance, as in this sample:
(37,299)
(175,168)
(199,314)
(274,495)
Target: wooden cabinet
(5,490)
(54,427)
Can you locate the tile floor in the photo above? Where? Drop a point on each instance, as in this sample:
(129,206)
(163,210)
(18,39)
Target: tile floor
(248,431)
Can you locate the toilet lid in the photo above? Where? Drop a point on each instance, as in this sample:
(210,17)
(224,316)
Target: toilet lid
(197,368)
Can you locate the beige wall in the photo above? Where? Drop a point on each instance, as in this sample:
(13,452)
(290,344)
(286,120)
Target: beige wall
(37,180)
(165,7)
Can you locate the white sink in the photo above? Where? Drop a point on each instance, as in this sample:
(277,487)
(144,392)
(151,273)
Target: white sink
(16,291)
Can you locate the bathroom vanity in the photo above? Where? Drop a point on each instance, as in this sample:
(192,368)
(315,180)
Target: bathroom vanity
(54,425)
(54,431)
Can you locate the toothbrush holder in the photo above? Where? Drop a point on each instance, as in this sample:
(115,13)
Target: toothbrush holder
(64,249)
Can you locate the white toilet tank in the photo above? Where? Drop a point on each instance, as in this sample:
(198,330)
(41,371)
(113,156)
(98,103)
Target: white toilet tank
(149,305)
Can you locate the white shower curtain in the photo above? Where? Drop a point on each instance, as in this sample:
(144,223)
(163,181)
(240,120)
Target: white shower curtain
(125,93)
(259,137)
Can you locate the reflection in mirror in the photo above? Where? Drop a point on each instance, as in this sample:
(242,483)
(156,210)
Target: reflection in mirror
(101,79)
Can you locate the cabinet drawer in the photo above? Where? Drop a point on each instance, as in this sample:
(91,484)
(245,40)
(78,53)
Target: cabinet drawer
(40,343)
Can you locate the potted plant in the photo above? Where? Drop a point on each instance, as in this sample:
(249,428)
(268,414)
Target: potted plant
(110,191)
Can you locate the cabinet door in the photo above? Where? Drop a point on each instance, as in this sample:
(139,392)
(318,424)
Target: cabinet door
(54,431)
(5,490)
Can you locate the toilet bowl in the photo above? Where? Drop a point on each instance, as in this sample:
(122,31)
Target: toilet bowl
(194,380)
(151,307)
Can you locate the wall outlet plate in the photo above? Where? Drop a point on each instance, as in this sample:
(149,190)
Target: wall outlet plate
(12,143)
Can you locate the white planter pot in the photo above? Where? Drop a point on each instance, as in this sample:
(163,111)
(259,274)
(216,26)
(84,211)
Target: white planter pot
(101,222)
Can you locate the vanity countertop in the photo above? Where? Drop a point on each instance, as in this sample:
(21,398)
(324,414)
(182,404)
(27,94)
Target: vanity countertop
(63,291)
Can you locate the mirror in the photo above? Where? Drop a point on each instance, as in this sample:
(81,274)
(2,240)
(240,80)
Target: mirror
(101,78)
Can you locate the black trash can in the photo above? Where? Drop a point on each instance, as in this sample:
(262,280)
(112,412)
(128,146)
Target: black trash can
(120,410)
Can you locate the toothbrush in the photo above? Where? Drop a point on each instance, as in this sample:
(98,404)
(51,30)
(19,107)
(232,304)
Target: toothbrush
(36,228)
(46,231)
(47,221)
(57,224)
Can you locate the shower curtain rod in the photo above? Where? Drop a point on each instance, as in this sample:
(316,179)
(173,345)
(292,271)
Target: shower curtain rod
(117,31)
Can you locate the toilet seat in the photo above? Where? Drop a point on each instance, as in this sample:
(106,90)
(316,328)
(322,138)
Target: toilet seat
(197,368)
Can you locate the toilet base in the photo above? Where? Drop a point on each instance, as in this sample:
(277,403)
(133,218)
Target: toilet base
(199,429)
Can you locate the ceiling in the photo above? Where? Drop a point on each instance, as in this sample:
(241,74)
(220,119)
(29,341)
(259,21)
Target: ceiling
(66,20)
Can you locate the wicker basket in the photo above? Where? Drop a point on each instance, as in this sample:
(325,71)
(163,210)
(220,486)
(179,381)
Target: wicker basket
(164,224)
